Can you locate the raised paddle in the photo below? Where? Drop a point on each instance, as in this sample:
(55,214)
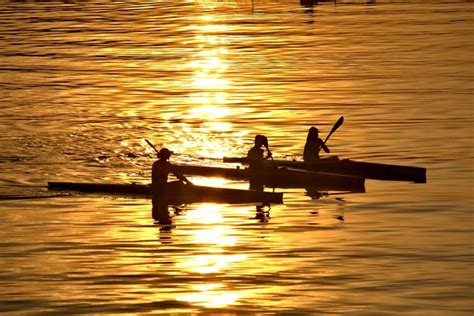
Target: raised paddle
(151,145)
(334,128)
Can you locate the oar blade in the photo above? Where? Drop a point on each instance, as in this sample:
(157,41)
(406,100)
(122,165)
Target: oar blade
(335,127)
(338,123)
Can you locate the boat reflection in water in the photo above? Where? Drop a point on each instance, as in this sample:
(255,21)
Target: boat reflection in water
(180,194)
(163,214)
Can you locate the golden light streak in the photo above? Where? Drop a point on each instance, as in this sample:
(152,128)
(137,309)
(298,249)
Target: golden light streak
(204,214)
(211,299)
(215,236)
(212,263)
(209,182)
(218,126)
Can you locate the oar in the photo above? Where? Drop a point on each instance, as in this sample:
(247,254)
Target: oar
(187,181)
(334,128)
(151,145)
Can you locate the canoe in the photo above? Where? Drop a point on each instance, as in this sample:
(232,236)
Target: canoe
(179,193)
(368,170)
(280,177)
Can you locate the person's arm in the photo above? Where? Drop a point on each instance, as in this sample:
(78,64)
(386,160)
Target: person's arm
(325,148)
(180,176)
(265,144)
(269,154)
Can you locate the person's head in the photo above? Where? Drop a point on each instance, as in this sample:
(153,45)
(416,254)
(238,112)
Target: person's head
(313,134)
(164,153)
(261,140)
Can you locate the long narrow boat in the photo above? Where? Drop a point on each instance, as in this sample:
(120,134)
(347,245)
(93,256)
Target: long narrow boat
(281,177)
(366,170)
(177,192)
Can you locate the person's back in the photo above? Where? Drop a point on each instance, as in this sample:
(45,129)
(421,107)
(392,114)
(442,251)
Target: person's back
(313,146)
(159,172)
(255,157)
(311,150)
(159,185)
(162,168)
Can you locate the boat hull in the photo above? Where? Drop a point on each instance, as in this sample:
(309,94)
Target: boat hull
(177,193)
(368,170)
(281,177)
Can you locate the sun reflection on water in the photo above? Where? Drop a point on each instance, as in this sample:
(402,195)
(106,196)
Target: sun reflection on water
(211,296)
(207,129)
(211,238)
(208,101)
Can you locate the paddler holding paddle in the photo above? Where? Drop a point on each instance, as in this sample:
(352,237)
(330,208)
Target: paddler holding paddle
(159,184)
(313,146)
(256,161)
(255,156)
(162,168)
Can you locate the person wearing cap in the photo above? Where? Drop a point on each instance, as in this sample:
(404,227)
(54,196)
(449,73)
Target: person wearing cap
(313,146)
(159,180)
(255,157)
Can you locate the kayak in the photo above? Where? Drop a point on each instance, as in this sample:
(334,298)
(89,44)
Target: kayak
(368,170)
(280,177)
(178,192)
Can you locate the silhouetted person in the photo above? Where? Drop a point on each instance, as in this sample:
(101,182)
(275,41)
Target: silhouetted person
(313,146)
(256,161)
(255,157)
(160,187)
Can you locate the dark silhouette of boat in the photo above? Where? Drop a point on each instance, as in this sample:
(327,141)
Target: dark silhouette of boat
(177,193)
(368,170)
(280,177)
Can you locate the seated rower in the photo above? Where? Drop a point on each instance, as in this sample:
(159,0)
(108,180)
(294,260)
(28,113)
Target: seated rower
(313,146)
(255,157)
(159,180)
(256,161)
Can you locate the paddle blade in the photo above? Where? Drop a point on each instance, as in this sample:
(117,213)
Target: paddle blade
(335,127)
(338,123)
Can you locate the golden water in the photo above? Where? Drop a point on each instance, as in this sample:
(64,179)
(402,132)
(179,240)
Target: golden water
(82,84)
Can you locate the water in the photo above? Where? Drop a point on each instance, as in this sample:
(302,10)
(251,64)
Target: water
(84,83)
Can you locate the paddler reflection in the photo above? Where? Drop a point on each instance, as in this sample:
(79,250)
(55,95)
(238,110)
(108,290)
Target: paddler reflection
(262,213)
(160,187)
(256,159)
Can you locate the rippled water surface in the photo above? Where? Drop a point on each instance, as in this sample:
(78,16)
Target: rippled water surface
(82,84)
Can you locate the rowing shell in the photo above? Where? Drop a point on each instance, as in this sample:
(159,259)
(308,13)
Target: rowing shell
(281,177)
(177,193)
(368,170)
